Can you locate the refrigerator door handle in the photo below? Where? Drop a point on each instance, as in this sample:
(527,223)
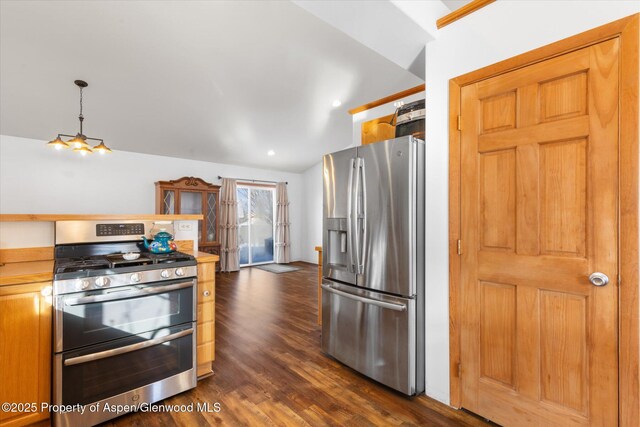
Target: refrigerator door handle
(389,305)
(355,211)
(362,241)
(350,214)
(355,214)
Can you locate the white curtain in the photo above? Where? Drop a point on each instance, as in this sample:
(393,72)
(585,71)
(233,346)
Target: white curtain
(229,250)
(283,240)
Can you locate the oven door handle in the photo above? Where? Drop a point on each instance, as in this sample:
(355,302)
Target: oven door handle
(127,294)
(127,349)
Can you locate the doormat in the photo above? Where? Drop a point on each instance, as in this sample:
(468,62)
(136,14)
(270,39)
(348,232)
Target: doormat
(277,268)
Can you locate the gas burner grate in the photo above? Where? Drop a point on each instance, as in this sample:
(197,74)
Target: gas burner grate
(117,260)
(80,264)
(170,257)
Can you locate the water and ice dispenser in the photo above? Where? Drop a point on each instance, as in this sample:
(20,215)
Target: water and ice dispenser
(337,251)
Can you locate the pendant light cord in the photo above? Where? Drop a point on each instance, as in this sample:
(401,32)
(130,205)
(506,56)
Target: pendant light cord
(81,117)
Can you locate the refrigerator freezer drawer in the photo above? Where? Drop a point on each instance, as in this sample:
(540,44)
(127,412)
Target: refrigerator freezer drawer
(372,333)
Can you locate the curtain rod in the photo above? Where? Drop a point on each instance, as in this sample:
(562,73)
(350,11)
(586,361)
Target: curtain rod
(252,180)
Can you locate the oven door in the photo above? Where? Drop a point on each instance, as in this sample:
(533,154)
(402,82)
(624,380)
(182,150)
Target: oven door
(105,370)
(87,318)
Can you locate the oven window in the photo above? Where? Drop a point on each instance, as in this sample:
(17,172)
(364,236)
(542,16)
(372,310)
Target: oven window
(95,380)
(92,323)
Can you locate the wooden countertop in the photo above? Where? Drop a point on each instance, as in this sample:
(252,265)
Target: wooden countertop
(18,273)
(203,256)
(94,217)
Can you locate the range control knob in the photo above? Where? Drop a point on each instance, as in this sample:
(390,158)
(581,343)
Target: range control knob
(165,273)
(180,271)
(82,284)
(135,277)
(102,282)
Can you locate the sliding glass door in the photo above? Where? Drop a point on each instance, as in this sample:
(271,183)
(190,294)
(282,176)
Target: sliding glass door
(256,227)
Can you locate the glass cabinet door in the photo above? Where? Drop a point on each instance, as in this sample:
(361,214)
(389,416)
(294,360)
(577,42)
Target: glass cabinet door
(211,217)
(168,202)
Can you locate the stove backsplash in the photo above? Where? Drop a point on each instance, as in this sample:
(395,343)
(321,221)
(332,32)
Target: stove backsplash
(90,249)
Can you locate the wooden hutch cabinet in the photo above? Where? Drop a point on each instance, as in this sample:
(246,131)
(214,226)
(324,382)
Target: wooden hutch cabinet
(193,196)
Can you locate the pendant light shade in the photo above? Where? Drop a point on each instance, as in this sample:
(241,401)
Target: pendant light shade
(57,143)
(101,148)
(79,141)
(83,151)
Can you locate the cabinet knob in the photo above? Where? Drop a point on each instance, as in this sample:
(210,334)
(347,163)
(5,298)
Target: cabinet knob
(206,293)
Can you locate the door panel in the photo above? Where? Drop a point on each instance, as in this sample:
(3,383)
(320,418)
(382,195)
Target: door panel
(390,226)
(539,168)
(498,313)
(498,170)
(563,349)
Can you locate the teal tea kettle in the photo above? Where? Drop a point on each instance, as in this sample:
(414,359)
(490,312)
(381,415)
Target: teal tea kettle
(162,243)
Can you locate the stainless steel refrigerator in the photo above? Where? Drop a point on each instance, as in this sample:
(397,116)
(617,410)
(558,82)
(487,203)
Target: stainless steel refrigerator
(373,261)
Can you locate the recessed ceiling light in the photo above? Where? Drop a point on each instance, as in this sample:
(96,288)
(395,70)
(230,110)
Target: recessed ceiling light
(271,153)
(337,103)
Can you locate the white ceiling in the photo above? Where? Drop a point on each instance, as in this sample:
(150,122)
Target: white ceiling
(217,81)
(455,4)
(380,25)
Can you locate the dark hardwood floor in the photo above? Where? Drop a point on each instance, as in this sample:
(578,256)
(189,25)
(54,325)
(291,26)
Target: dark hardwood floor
(269,369)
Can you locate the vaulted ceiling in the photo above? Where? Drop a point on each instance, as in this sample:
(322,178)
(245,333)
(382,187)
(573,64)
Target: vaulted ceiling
(221,81)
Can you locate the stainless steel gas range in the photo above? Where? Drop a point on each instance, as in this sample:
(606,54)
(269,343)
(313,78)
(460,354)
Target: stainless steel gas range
(124,329)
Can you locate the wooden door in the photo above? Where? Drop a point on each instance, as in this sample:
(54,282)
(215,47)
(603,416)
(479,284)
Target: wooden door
(539,194)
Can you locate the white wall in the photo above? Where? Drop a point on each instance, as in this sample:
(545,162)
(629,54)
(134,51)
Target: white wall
(312,212)
(36,179)
(496,32)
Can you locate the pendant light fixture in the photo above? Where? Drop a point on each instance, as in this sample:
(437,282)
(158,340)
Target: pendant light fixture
(79,141)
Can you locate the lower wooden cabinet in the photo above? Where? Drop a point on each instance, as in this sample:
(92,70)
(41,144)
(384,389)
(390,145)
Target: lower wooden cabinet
(25,352)
(206,326)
